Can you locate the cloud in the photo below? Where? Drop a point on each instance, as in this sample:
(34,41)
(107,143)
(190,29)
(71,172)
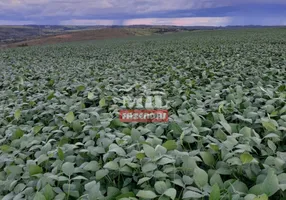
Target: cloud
(190,21)
(88,22)
(62,11)
(12,22)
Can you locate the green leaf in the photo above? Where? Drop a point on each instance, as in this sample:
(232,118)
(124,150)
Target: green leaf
(60,196)
(80,88)
(159,131)
(51,95)
(171,192)
(200,177)
(175,128)
(148,167)
(37,129)
(48,192)
(117,123)
(271,145)
(215,193)
(79,178)
(149,151)
(160,187)
(117,149)
(192,194)
(70,117)
(102,102)
(170,145)
(140,156)
(208,158)
(5,148)
(90,96)
(143,180)
(35,169)
(226,126)
(92,166)
(61,154)
(271,184)
(111,165)
(261,197)
(17,134)
(39,196)
(146,194)
(17,114)
(101,174)
(246,158)
(68,168)
(125,195)
(76,125)
(249,197)
(268,125)
(197,120)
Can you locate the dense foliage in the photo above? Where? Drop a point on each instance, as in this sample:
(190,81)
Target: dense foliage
(60,137)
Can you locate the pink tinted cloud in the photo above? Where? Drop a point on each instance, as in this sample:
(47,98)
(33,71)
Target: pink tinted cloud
(188,21)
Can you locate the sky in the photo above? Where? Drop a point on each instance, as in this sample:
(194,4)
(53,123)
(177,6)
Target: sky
(147,12)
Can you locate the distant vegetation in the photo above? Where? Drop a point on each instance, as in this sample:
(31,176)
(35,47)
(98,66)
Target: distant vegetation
(14,34)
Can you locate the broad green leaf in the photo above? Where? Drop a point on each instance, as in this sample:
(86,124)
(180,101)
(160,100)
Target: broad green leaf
(111,165)
(171,192)
(79,178)
(68,168)
(140,156)
(48,192)
(175,128)
(51,95)
(90,96)
(61,154)
(160,187)
(226,126)
(271,184)
(268,125)
(261,197)
(208,158)
(148,167)
(170,145)
(37,129)
(271,145)
(143,180)
(149,151)
(92,166)
(17,114)
(35,169)
(215,193)
(101,173)
(39,196)
(125,196)
(146,194)
(60,196)
(192,194)
(70,117)
(197,120)
(246,158)
(76,125)
(200,177)
(80,88)
(102,102)
(17,134)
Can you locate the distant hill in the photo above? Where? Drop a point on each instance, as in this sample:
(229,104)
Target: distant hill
(11,36)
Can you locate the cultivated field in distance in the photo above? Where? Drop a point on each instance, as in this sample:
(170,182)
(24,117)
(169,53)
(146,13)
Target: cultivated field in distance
(61,137)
